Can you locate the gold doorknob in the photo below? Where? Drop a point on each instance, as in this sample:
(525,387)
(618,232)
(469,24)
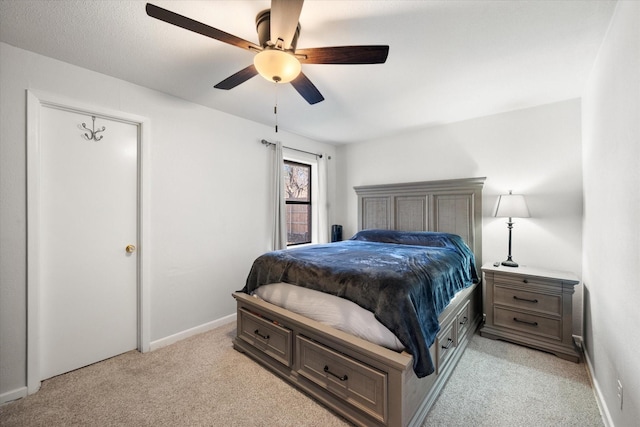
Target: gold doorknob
(130,249)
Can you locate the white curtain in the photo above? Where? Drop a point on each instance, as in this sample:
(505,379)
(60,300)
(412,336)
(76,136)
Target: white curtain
(279,212)
(323,207)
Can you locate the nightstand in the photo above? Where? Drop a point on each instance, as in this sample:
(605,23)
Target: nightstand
(530,306)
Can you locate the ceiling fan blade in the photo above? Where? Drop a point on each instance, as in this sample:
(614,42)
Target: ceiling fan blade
(307,89)
(238,78)
(344,55)
(284,20)
(198,27)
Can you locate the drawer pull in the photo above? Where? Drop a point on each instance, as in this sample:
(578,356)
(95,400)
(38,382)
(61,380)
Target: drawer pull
(525,281)
(464,320)
(535,301)
(341,378)
(526,322)
(264,337)
(449,343)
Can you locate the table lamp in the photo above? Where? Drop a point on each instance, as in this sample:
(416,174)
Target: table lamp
(511,206)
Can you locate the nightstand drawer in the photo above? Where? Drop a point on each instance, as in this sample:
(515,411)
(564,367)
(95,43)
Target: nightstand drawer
(358,384)
(528,300)
(508,279)
(528,323)
(265,335)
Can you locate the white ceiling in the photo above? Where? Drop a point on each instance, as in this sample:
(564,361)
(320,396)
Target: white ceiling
(448,60)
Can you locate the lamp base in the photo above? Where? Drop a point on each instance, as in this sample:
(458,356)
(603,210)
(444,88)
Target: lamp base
(509,263)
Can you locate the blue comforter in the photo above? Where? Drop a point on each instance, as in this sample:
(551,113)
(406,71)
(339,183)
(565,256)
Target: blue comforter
(405,278)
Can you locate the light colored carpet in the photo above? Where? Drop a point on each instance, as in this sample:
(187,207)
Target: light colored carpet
(501,384)
(202,381)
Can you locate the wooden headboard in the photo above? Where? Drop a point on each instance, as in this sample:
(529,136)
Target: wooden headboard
(451,206)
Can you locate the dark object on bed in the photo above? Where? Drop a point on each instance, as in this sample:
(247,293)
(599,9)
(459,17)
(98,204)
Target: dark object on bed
(336,233)
(405,278)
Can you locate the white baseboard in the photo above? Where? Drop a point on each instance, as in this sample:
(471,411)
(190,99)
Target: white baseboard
(604,410)
(163,342)
(12,395)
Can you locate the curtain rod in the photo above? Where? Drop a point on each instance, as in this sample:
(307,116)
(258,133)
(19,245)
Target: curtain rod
(265,142)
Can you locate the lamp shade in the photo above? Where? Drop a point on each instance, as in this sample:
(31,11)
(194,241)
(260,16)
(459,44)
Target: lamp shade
(277,65)
(512,206)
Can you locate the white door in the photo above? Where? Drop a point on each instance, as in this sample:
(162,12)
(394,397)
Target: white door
(88,216)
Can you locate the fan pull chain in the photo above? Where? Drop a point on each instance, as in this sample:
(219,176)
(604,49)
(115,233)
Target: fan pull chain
(275,111)
(275,107)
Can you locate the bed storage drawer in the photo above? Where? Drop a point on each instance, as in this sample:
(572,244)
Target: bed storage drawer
(358,384)
(463,320)
(272,339)
(445,344)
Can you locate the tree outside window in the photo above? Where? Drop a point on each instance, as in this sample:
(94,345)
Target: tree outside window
(297,186)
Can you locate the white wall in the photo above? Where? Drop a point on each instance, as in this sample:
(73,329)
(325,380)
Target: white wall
(536,152)
(209,199)
(611,127)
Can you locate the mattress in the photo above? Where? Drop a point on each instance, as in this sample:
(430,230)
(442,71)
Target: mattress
(331,310)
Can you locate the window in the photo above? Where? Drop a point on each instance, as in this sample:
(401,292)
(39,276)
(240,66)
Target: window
(297,188)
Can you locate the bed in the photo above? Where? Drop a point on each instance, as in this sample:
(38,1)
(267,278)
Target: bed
(372,379)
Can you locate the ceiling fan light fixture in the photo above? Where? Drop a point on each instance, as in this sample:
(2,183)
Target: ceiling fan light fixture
(277,65)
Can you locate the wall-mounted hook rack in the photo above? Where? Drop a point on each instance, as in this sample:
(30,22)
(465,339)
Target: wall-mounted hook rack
(93,133)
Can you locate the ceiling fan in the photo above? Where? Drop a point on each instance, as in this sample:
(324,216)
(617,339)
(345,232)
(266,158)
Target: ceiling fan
(277,58)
